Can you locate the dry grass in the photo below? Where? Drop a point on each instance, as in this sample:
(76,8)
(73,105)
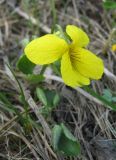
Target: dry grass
(92,123)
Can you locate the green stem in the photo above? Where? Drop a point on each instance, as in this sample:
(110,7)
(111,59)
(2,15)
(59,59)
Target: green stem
(52,3)
(21,90)
(43,69)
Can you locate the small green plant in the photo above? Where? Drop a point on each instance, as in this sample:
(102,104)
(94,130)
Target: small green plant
(64,142)
(49,98)
(65,53)
(59,51)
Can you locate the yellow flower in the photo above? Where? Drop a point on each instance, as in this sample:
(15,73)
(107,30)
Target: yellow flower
(114,47)
(78,65)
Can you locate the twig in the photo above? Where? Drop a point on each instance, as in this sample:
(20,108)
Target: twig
(38,114)
(109,74)
(76,11)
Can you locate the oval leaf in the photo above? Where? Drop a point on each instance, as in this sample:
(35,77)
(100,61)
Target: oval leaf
(114,99)
(56,134)
(56,99)
(25,65)
(68,147)
(35,78)
(64,142)
(41,95)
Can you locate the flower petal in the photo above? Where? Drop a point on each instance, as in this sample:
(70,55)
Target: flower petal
(87,63)
(46,49)
(114,47)
(70,76)
(78,36)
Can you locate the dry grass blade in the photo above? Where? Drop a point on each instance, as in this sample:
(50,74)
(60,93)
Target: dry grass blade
(41,119)
(30,146)
(109,74)
(8,123)
(47,146)
(31,18)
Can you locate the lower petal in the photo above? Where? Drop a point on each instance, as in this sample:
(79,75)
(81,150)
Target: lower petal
(69,75)
(87,63)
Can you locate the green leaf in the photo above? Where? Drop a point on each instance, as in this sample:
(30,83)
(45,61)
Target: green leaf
(56,99)
(69,147)
(60,33)
(114,99)
(49,98)
(101,98)
(107,95)
(23,118)
(4,99)
(6,104)
(35,78)
(41,95)
(52,98)
(56,67)
(107,92)
(67,133)
(25,65)
(109,4)
(64,142)
(56,134)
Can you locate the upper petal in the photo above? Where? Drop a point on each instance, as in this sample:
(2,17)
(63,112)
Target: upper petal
(87,63)
(69,75)
(46,49)
(78,36)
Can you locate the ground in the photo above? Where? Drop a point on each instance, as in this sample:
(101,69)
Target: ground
(91,122)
